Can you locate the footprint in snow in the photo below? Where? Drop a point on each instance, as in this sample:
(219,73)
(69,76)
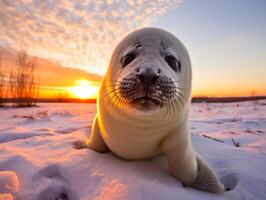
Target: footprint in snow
(58,191)
(59,187)
(229,181)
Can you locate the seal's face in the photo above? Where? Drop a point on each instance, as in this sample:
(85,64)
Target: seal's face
(149,71)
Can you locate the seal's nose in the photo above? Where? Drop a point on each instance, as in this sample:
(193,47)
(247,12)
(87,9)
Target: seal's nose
(148,76)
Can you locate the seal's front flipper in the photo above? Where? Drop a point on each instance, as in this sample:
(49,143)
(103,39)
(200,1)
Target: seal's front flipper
(96,142)
(79,144)
(206,179)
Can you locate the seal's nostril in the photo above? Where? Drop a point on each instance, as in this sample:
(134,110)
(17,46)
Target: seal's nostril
(148,79)
(142,78)
(159,71)
(154,79)
(137,70)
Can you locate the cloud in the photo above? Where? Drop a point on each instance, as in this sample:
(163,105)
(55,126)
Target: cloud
(76,33)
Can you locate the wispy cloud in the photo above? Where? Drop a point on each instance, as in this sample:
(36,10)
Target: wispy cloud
(76,33)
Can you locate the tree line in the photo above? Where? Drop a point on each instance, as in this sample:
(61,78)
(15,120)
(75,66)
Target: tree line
(18,83)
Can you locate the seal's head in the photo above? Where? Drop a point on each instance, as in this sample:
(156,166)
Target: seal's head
(149,70)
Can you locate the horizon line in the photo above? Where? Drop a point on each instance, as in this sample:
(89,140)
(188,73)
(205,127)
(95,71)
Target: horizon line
(196,99)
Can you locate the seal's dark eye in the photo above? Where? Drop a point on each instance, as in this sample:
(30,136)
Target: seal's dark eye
(173,63)
(128,59)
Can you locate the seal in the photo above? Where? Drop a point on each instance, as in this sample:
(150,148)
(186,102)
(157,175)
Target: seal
(143,107)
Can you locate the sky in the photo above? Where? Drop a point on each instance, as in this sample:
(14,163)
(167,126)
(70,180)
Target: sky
(226,39)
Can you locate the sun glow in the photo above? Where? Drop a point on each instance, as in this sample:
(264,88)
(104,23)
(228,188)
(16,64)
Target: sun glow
(84,89)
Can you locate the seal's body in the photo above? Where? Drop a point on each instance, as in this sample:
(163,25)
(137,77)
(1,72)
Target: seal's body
(143,106)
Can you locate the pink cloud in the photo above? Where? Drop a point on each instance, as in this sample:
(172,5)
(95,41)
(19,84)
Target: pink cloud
(75,33)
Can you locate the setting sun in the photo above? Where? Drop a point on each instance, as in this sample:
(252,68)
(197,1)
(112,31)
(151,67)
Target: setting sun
(84,89)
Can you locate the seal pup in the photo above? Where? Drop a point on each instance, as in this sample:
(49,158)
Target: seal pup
(143,107)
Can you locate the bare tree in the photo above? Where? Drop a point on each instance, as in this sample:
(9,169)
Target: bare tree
(11,84)
(254,93)
(23,83)
(2,83)
(61,95)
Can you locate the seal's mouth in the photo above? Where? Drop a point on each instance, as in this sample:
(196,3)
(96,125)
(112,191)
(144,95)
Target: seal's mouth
(144,100)
(146,103)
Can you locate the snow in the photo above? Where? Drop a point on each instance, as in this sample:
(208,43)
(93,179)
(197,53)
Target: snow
(37,161)
(9,184)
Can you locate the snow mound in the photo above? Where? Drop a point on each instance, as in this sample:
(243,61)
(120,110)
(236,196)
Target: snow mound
(6,197)
(9,185)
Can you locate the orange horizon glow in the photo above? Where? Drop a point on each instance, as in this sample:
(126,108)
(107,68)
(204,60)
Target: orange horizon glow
(84,89)
(81,89)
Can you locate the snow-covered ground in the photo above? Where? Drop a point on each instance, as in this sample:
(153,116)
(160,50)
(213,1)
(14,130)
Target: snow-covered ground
(37,161)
